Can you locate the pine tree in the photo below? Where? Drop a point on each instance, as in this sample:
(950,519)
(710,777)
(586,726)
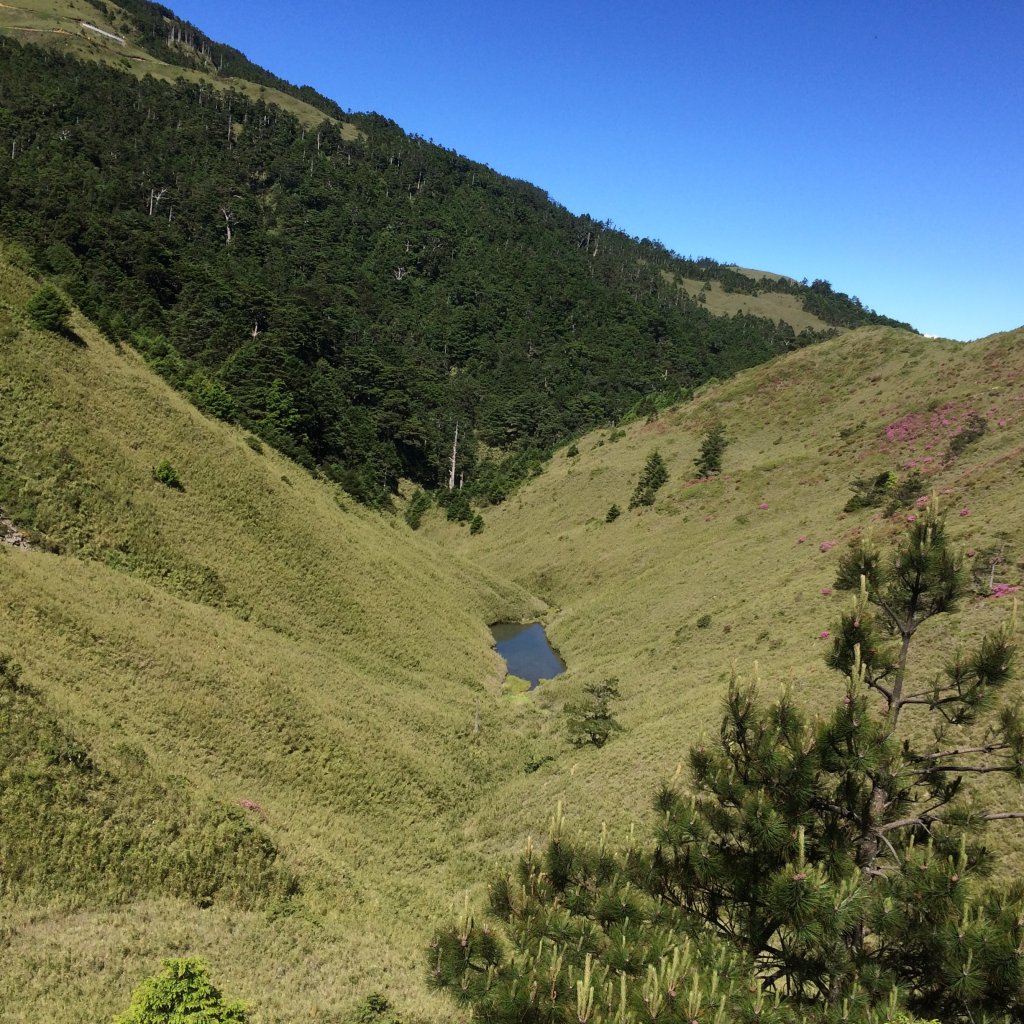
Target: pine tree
(654,476)
(712,448)
(818,869)
(46,309)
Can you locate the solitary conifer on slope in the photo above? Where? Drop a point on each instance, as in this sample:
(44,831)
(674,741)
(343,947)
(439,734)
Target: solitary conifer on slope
(712,448)
(824,869)
(654,476)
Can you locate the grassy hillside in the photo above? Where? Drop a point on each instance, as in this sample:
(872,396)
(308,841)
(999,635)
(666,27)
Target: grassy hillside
(278,672)
(754,550)
(267,724)
(774,305)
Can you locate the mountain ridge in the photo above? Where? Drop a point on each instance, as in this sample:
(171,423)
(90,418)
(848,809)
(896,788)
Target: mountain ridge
(351,297)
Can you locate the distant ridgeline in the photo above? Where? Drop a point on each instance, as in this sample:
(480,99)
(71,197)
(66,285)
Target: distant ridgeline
(349,299)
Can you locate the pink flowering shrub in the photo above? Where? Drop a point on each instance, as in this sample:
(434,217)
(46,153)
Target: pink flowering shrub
(826,591)
(826,545)
(1002,590)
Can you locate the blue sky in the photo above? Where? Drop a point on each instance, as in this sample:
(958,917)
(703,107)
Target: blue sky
(877,144)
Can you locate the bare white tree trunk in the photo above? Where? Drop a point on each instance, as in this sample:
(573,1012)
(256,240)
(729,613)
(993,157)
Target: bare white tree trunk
(451,463)
(155,199)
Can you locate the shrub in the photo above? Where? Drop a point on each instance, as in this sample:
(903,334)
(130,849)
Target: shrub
(590,720)
(476,524)
(166,474)
(572,451)
(417,507)
(180,994)
(704,621)
(973,430)
(612,514)
(376,1009)
(870,492)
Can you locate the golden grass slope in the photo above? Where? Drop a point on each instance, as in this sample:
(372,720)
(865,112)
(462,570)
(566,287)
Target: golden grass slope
(87,33)
(755,549)
(265,640)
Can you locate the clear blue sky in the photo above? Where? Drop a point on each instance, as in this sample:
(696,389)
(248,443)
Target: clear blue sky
(878,144)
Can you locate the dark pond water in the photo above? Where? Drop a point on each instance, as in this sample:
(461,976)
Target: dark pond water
(526,651)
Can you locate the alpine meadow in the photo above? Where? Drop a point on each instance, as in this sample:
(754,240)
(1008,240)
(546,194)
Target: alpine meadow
(295,405)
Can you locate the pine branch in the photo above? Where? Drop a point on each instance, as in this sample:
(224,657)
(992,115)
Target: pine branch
(959,751)
(875,685)
(924,820)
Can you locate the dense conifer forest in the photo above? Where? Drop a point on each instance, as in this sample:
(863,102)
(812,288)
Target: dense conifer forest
(351,297)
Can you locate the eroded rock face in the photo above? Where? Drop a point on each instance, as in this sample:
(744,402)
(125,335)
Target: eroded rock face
(10,534)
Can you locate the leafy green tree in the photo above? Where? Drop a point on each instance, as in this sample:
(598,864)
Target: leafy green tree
(591,720)
(654,476)
(712,448)
(181,993)
(826,869)
(46,309)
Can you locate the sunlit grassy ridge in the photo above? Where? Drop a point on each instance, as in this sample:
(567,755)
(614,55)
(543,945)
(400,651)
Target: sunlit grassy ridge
(774,305)
(62,24)
(259,638)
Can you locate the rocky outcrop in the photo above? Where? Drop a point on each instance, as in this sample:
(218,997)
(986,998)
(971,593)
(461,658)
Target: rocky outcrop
(10,534)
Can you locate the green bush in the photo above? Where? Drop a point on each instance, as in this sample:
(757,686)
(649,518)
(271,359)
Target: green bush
(870,492)
(590,720)
(418,505)
(612,514)
(166,474)
(376,1009)
(180,994)
(973,430)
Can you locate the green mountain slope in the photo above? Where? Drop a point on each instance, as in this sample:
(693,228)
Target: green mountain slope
(256,674)
(250,675)
(351,296)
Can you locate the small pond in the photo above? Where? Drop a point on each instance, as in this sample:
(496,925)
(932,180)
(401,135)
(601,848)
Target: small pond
(526,651)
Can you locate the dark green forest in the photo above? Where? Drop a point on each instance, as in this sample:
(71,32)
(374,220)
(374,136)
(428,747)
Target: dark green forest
(350,300)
